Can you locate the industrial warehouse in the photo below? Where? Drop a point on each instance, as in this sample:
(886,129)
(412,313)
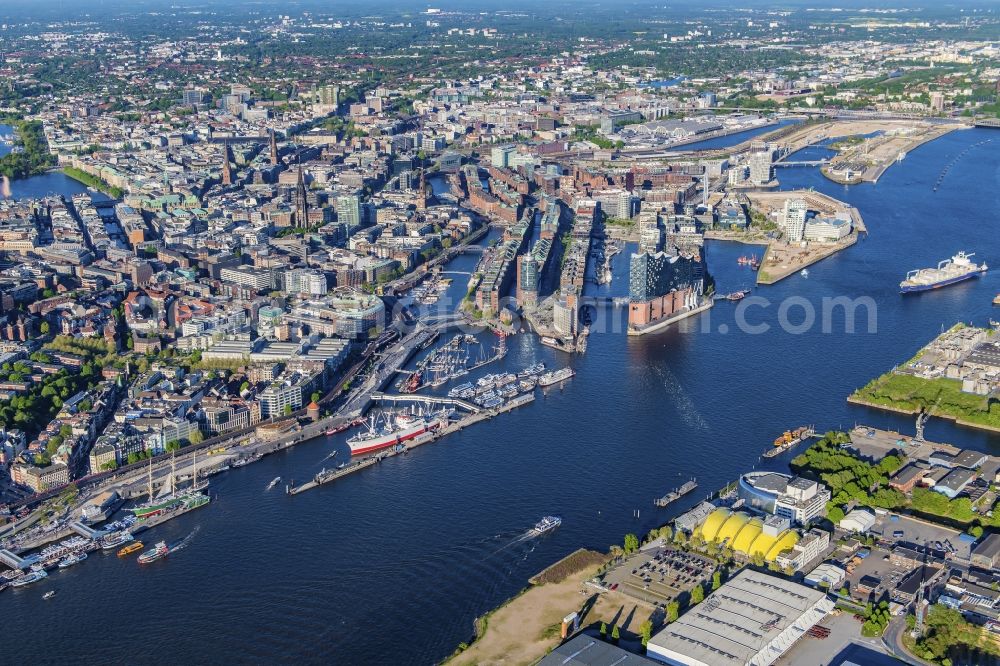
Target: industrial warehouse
(750,621)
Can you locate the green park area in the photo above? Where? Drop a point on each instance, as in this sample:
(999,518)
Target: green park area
(938,397)
(856,483)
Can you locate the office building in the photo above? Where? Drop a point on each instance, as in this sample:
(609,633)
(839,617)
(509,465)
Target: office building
(192,97)
(793,219)
(302,281)
(800,500)
(612,122)
(500,157)
(761,168)
(664,287)
(349,212)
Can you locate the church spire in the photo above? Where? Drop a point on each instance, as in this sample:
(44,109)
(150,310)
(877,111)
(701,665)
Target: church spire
(227,172)
(274,148)
(301,204)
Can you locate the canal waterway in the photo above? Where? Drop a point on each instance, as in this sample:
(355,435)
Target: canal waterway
(737,137)
(392,565)
(5,148)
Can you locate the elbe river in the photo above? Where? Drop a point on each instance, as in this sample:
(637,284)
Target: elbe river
(391,565)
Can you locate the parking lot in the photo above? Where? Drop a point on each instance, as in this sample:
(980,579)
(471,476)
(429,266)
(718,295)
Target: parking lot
(660,575)
(905,530)
(875,566)
(845,635)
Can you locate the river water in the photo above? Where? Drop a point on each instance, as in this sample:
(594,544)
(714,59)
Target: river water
(391,565)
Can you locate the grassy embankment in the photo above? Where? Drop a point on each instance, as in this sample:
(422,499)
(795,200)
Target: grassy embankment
(939,397)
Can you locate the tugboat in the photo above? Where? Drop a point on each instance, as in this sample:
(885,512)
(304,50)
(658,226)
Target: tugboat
(49,594)
(337,429)
(158,551)
(789,439)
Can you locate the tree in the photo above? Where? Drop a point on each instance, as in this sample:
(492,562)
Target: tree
(716,580)
(631,543)
(697,594)
(244,386)
(288,410)
(615,635)
(646,631)
(109,466)
(173,445)
(315,396)
(196,437)
(43,328)
(52,446)
(835,514)
(976,531)
(129,343)
(673,611)
(604,630)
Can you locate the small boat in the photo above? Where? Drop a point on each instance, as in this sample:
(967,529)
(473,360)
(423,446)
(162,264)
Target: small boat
(532,370)
(49,594)
(546,524)
(804,272)
(27,579)
(129,549)
(72,559)
(156,552)
(996,300)
(274,482)
(112,541)
(337,429)
(789,439)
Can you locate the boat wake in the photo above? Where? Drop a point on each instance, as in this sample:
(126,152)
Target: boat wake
(186,540)
(332,454)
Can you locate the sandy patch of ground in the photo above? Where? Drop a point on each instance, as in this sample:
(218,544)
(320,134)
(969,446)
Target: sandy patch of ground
(526,628)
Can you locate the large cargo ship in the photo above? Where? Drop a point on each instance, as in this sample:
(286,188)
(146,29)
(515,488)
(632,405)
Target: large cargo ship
(400,428)
(958,268)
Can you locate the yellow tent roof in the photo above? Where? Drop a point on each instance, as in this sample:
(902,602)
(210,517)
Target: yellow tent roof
(762,544)
(732,526)
(746,536)
(713,523)
(787,539)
